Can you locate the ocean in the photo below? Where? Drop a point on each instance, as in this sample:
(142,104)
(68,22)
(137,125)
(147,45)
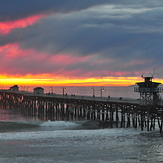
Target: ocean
(26,140)
(88,91)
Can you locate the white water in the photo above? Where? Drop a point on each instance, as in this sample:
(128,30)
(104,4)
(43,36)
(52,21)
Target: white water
(89,146)
(58,124)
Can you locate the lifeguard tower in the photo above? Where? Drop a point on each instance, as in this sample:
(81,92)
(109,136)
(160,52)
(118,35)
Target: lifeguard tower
(149,91)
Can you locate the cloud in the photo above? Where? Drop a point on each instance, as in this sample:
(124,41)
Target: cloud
(15,60)
(11,9)
(8,26)
(93,38)
(93,31)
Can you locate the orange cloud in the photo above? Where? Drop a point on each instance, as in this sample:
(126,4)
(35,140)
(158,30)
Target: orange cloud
(8,26)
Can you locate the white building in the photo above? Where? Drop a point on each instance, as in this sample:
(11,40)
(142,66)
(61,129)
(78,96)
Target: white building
(38,90)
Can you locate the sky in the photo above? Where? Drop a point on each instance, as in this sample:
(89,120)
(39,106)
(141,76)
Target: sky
(80,43)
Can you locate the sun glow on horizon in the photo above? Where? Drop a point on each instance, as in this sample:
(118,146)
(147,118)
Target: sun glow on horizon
(49,80)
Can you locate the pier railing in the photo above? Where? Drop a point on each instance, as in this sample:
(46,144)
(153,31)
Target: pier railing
(102,99)
(148,90)
(88,98)
(78,97)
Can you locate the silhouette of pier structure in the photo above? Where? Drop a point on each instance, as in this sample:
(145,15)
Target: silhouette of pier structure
(109,111)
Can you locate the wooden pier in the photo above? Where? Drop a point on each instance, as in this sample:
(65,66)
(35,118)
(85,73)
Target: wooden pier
(118,112)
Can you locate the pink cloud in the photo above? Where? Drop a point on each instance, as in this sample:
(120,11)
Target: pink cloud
(8,26)
(67,59)
(10,51)
(15,60)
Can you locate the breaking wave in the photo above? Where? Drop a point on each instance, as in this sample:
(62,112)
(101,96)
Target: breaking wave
(15,126)
(12,126)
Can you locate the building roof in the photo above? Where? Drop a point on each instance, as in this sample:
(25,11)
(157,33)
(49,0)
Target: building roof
(38,88)
(148,83)
(15,86)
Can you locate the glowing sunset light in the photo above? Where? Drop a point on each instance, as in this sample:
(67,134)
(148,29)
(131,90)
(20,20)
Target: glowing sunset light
(6,27)
(40,80)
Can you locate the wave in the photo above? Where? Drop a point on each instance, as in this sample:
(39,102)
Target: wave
(58,124)
(76,124)
(12,126)
(72,134)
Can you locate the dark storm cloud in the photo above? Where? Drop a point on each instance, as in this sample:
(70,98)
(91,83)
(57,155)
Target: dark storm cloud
(16,9)
(92,31)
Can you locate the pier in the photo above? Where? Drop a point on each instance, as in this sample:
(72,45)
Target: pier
(109,111)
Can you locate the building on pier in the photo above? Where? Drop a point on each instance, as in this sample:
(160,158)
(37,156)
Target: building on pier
(14,88)
(38,90)
(149,91)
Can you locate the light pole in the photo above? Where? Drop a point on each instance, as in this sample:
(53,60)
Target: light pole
(27,89)
(93,91)
(63,89)
(102,89)
(51,89)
